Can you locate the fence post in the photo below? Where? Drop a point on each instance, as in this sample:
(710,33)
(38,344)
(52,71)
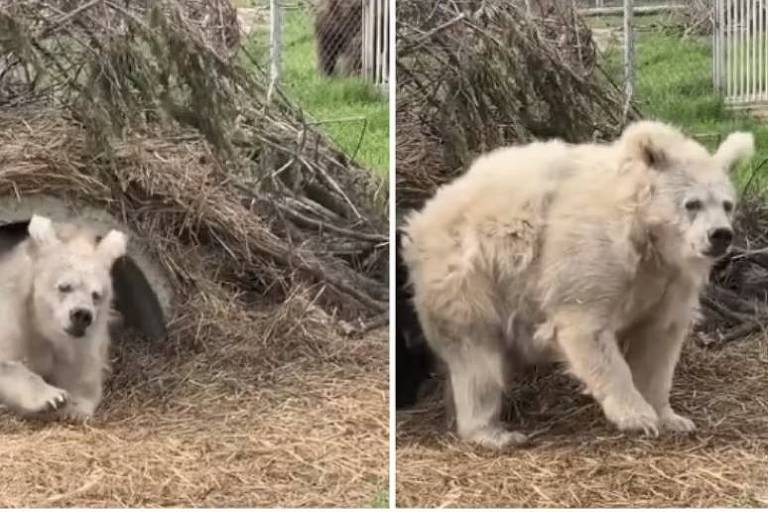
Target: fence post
(275,46)
(629,57)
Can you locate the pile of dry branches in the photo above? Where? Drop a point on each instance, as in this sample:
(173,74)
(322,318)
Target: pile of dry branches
(474,75)
(133,107)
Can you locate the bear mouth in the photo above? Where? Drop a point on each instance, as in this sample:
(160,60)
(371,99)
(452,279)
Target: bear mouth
(75,331)
(716,252)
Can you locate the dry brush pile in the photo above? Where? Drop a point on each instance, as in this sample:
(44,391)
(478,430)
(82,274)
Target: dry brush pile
(274,242)
(163,129)
(474,75)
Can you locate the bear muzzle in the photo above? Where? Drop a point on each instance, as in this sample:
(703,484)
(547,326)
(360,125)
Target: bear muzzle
(719,241)
(80,319)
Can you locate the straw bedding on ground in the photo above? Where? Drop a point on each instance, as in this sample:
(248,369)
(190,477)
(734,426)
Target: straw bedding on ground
(577,460)
(211,427)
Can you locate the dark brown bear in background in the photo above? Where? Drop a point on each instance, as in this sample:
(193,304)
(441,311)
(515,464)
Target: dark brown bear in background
(338,36)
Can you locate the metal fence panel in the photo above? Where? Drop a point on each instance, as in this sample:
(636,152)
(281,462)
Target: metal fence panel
(740,51)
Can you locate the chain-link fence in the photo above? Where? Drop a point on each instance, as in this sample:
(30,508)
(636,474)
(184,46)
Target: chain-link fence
(661,28)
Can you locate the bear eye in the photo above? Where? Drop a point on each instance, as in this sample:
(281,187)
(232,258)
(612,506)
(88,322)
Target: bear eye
(693,205)
(96,296)
(65,288)
(727,206)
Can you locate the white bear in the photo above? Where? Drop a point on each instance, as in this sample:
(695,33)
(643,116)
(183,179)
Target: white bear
(55,302)
(592,255)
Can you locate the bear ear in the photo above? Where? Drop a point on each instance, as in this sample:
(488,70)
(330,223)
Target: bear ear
(41,231)
(647,141)
(113,246)
(736,147)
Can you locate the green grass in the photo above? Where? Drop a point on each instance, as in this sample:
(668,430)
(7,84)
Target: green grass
(674,84)
(381,500)
(351,111)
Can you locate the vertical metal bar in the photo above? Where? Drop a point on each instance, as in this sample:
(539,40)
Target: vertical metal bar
(764,37)
(384,41)
(629,57)
(737,48)
(721,27)
(761,49)
(728,47)
(747,53)
(748,49)
(753,51)
(377,20)
(366,38)
(716,49)
(743,24)
(275,46)
(756,37)
(729,36)
(385,45)
(377,36)
(367,7)
(763,52)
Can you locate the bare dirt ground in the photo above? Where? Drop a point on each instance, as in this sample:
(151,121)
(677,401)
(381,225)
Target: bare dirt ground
(294,417)
(578,460)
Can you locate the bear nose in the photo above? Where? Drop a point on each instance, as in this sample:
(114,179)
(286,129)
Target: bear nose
(81,318)
(720,239)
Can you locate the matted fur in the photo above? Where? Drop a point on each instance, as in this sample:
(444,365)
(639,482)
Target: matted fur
(593,255)
(55,302)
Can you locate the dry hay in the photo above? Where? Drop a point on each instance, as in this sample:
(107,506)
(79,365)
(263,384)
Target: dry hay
(217,416)
(274,243)
(578,460)
(474,75)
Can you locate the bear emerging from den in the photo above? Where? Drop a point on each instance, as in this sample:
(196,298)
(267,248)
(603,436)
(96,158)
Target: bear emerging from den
(55,302)
(593,255)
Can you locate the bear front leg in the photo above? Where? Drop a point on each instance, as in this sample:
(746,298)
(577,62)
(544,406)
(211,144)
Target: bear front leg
(592,352)
(652,353)
(84,400)
(26,392)
(84,382)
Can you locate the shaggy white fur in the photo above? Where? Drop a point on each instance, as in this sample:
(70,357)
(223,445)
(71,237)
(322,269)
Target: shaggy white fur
(593,255)
(55,301)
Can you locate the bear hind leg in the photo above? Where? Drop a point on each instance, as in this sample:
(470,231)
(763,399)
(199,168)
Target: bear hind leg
(476,370)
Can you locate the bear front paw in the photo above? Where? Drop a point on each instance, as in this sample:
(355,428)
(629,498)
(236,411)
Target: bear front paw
(670,420)
(44,399)
(632,416)
(76,412)
(495,437)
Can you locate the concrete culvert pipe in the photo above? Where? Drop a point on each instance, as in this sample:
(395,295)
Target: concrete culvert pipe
(143,295)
